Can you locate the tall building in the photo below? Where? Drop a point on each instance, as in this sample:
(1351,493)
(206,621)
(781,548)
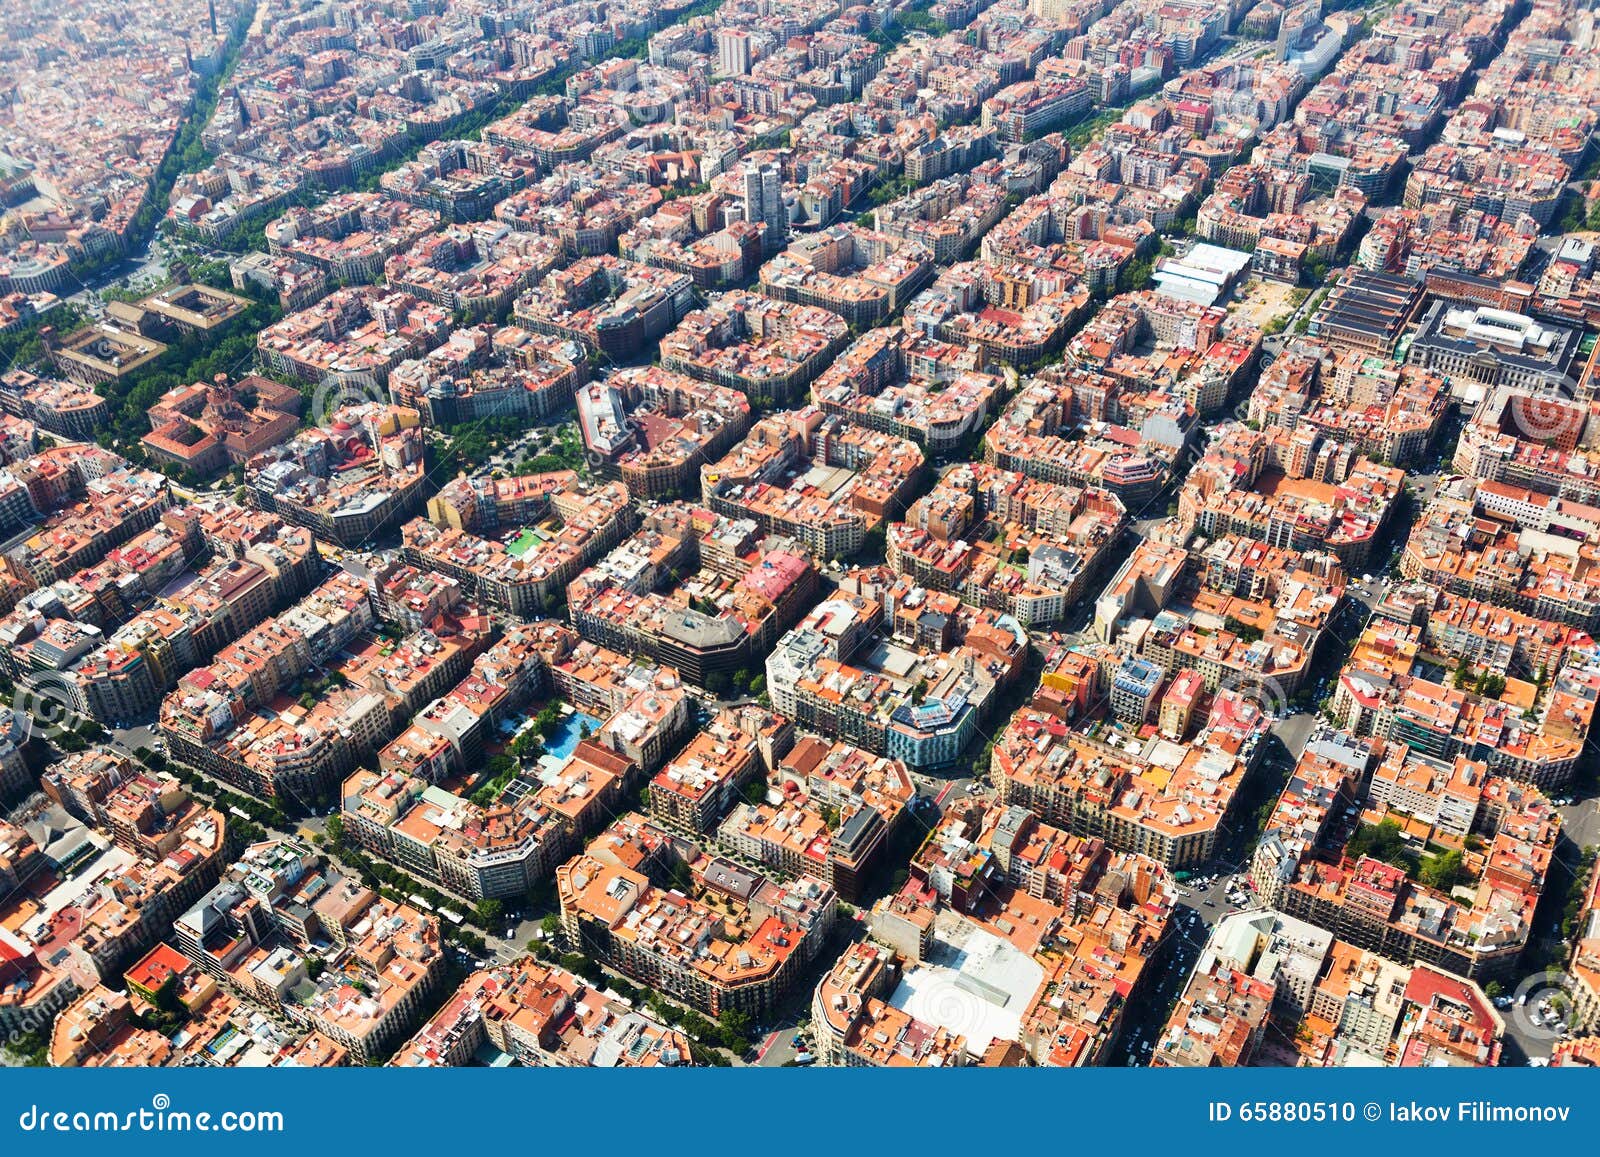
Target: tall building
(733,52)
(1298,19)
(763,205)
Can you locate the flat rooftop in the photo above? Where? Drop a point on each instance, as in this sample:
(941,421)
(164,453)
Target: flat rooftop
(972,983)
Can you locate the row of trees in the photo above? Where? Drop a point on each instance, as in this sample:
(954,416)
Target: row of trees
(1487,683)
(187,155)
(742,682)
(731,1030)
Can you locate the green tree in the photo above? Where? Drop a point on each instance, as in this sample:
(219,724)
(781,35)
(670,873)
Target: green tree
(1444,871)
(1247,633)
(1135,275)
(580,965)
(548,721)
(733,1028)
(873,545)
(573,961)
(1382,841)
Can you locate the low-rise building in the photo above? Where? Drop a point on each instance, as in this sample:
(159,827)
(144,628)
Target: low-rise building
(540,1015)
(816,479)
(739,942)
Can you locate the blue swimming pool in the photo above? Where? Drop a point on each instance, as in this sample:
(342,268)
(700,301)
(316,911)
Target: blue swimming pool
(563,739)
